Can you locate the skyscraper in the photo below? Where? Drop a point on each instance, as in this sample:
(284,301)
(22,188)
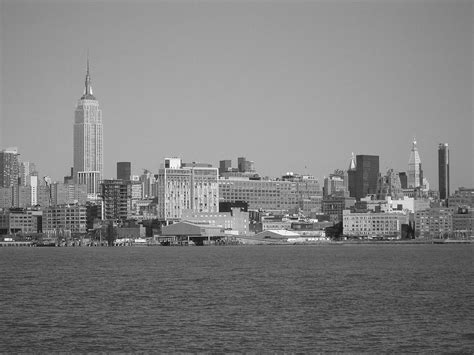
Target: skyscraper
(124,170)
(351,176)
(88,140)
(415,174)
(366,176)
(443,170)
(9,167)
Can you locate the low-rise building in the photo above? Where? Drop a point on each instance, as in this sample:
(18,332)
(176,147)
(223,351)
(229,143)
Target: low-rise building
(463,222)
(235,221)
(435,222)
(19,221)
(462,197)
(71,218)
(368,225)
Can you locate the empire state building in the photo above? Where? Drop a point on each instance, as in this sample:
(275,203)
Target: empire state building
(88,140)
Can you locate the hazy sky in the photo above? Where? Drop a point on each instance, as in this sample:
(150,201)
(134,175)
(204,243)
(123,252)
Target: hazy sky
(286,84)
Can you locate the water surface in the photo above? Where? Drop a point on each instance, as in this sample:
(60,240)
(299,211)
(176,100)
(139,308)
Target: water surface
(341,298)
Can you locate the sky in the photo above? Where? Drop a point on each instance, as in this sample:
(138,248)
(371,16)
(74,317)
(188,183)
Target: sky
(292,85)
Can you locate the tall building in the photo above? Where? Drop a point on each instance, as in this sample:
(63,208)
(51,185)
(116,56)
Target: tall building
(224,166)
(117,199)
(366,176)
(9,167)
(351,176)
(415,174)
(389,185)
(335,184)
(403,179)
(124,170)
(443,170)
(88,140)
(27,169)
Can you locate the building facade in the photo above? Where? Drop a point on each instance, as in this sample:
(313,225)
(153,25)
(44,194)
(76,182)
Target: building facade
(9,167)
(72,218)
(334,207)
(366,175)
(88,141)
(234,222)
(124,170)
(116,199)
(443,170)
(434,222)
(414,174)
(374,224)
(181,188)
(284,194)
(462,197)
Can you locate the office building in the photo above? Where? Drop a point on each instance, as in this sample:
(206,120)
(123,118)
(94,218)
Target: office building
(335,184)
(20,221)
(443,170)
(269,195)
(366,175)
(351,176)
(333,206)
(462,197)
(225,166)
(65,218)
(124,170)
(186,186)
(436,222)
(463,222)
(117,199)
(389,185)
(9,167)
(403,179)
(88,141)
(415,174)
(27,169)
(369,225)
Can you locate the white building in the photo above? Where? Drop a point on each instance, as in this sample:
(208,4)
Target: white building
(88,141)
(181,188)
(235,221)
(414,176)
(373,224)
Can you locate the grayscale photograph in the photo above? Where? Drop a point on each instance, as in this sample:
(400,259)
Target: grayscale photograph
(236,176)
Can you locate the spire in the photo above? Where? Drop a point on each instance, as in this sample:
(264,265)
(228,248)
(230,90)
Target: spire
(88,95)
(352,164)
(413,148)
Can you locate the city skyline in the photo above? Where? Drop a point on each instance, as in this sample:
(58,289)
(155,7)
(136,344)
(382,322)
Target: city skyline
(216,96)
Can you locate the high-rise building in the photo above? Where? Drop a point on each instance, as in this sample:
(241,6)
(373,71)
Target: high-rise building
(403,179)
(443,170)
(88,140)
(124,170)
(224,166)
(366,176)
(415,174)
(335,184)
(351,176)
(389,185)
(27,169)
(9,167)
(117,199)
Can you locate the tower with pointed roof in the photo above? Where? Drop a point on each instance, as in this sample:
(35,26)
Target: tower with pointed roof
(351,176)
(414,173)
(88,140)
